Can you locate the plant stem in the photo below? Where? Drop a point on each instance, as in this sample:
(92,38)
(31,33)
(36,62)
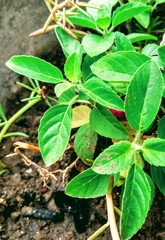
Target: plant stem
(163,110)
(137,137)
(99,231)
(16,115)
(111,218)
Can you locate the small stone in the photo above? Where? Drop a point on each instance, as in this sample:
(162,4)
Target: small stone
(15,215)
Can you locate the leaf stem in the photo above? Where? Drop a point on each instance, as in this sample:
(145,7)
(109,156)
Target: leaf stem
(137,137)
(99,231)
(18,114)
(163,110)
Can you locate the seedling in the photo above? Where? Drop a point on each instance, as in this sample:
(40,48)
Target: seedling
(105,74)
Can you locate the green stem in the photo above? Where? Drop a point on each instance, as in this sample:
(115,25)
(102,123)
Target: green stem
(16,115)
(137,137)
(99,231)
(100,31)
(117,211)
(163,110)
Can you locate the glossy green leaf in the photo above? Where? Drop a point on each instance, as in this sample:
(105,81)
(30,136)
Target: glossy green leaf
(127,11)
(152,187)
(135,202)
(68,44)
(104,16)
(85,143)
(62,87)
(67,96)
(72,68)
(87,62)
(143,19)
(54,132)
(147,83)
(94,11)
(142,1)
(83,20)
(150,49)
(36,68)
(105,124)
(114,159)
(160,1)
(94,44)
(158,175)
(100,92)
(88,184)
(137,37)
(153,151)
(119,66)
(161,53)
(122,42)
(161,128)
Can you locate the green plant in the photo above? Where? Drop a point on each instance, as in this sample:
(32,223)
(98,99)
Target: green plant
(105,76)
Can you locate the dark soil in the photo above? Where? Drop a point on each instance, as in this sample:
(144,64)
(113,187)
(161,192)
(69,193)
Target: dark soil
(30,210)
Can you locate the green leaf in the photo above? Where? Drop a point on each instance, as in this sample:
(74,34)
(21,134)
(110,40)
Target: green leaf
(94,44)
(150,49)
(36,68)
(105,124)
(104,16)
(100,92)
(161,128)
(153,151)
(137,37)
(160,1)
(87,62)
(62,87)
(85,143)
(147,84)
(54,132)
(88,184)
(143,19)
(158,175)
(83,20)
(72,68)
(119,66)
(135,202)
(161,53)
(142,1)
(94,11)
(127,11)
(67,96)
(152,187)
(2,113)
(122,42)
(68,44)
(114,159)
(80,115)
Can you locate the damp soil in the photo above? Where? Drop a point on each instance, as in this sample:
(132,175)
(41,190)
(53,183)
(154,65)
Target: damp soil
(31,210)
(34,207)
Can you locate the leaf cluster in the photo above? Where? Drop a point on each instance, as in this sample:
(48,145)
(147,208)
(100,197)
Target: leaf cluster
(106,74)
